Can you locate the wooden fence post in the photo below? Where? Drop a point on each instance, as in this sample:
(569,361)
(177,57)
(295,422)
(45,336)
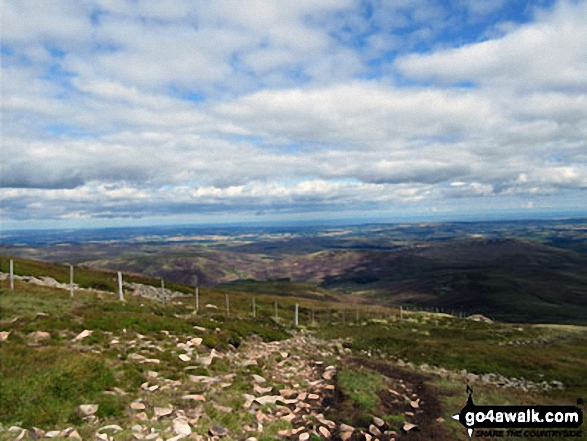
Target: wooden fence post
(11,274)
(296,316)
(254,309)
(197,300)
(71,281)
(120,294)
(276,314)
(227,306)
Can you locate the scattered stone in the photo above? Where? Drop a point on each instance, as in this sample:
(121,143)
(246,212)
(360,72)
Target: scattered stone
(313,397)
(324,432)
(86,410)
(184,357)
(181,427)
(222,408)
(378,422)
(415,404)
(74,435)
(304,436)
(141,416)
(53,434)
(374,431)
(258,378)
(408,426)
(39,335)
(194,397)
(4,335)
(440,420)
(137,406)
(114,427)
(162,411)
(217,430)
(83,335)
(268,399)
(197,341)
(199,328)
(261,390)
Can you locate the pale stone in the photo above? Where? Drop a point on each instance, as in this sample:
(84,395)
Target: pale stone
(184,357)
(261,390)
(181,427)
(83,335)
(258,378)
(137,406)
(324,432)
(378,422)
(374,430)
(194,397)
(85,410)
(162,411)
(4,335)
(304,436)
(197,341)
(408,426)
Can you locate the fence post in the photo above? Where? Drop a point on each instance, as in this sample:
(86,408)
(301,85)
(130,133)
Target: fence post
(227,306)
(120,295)
(401,312)
(162,290)
(11,274)
(254,309)
(276,315)
(296,316)
(197,300)
(343,315)
(313,315)
(71,281)
(357,314)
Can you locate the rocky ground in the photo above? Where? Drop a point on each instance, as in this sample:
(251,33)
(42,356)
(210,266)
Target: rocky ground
(280,389)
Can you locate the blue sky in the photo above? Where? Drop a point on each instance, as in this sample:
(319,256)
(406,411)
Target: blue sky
(138,112)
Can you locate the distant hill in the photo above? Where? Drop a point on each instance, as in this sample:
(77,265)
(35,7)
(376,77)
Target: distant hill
(511,271)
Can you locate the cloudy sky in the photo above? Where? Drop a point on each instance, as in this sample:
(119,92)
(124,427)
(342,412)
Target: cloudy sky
(135,112)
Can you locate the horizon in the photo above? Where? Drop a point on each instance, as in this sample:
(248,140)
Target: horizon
(172,113)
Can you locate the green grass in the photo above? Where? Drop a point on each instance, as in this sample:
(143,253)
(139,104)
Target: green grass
(42,386)
(457,344)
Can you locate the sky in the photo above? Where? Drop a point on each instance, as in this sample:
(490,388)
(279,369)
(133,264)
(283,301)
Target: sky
(143,112)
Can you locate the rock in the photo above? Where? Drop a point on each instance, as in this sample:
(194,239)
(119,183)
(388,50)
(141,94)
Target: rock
(415,404)
(194,397)
(304,436)
(222,408)
(378,422)
(197,341)
(258,378)
(268,399)
(162,411)
(86,410)
(39,335)
(374,430)
(75,435)
(83,335)
(440,420)
(137,406)
(324,432)
(313,397)
(346,428)
(181,427)
(217,430)
(53,434)
(287,393)
(261,390)
(408,426)
(141,416)
(4,335)
(114,427)
(184,357)
(479,318)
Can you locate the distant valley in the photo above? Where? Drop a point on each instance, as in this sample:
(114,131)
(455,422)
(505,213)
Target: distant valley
(511,271)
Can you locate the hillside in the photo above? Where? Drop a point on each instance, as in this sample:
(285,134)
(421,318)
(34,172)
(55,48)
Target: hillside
(93,367)
(529,271)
